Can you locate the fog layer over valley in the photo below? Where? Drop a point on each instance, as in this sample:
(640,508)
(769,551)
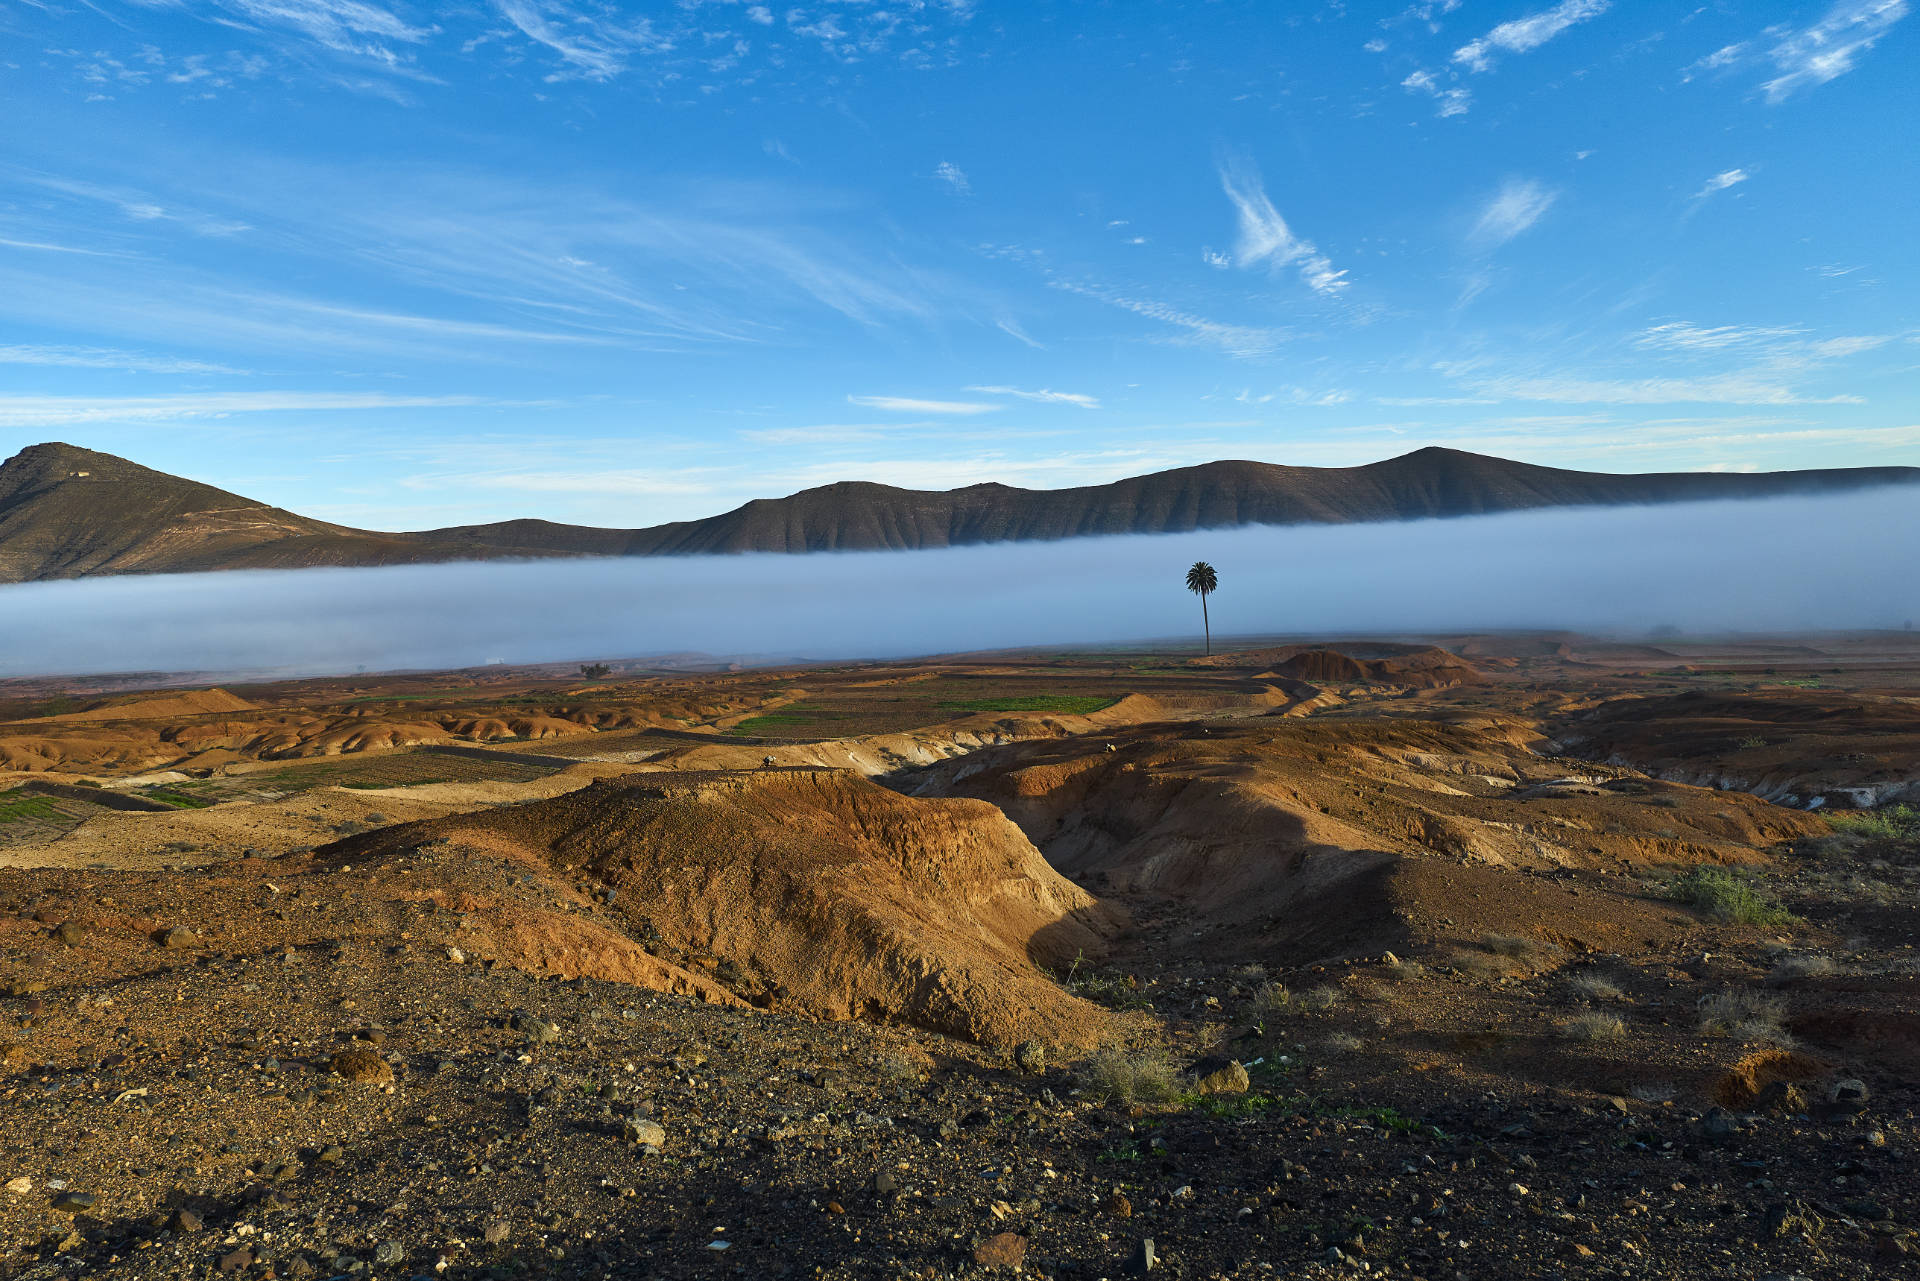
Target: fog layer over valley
(1780,564)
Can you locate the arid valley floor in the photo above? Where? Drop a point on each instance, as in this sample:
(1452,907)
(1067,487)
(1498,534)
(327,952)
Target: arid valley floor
(1474,957)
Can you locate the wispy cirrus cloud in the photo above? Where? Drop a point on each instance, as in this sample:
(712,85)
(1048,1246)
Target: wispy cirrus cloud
(1516,206)
(68,411)
(1720,182)
(1243,342)
(1265,240)
(910,405)
(1805,57)
(595,43)
(1831,47)
(1523,35)
(107,358)
(1743,388)
(955,178)
(1449,100)
(1043,396)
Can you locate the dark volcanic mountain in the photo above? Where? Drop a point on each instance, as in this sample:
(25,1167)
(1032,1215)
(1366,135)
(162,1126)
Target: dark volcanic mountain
(68,512)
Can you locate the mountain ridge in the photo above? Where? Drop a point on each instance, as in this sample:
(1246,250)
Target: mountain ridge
(68,512)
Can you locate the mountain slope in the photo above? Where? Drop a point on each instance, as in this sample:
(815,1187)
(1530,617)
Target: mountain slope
(68,512)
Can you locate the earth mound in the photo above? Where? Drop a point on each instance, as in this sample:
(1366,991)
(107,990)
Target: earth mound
(1419,667)
(195,702)
(1803,747)
(812,890)
(1301,840)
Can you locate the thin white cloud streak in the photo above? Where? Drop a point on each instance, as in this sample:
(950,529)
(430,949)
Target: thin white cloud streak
(1523,35)
(908,405)
(66,411)
(1780,564)
(1243,342)
(1726,389)
(1011,328)
(1720,182)
(1043,396)
(1266,240)
(592,44)
(1518,204)
(107,358)
(1832,46)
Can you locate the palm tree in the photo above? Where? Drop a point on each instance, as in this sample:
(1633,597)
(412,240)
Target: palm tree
(1201,580)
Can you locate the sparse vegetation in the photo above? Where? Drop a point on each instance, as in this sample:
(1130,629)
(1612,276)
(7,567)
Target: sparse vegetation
(1896,823)
(16,807)
(1727,895)
(595,671)
(1319,1000)
(1745,1016)
(1527,951)
(1596,1026)
(1118,1075)
(1405,970)
(1593,986)
(1806,965)
(1064,704)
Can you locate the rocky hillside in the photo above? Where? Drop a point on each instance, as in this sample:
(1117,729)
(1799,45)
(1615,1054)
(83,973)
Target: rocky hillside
(68,512)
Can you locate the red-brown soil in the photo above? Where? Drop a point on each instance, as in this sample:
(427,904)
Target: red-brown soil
(1479,1022)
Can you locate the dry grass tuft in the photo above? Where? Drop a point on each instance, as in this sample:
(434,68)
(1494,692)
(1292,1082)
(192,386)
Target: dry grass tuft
(1806,965)
(1118,1075)
(1597,1026)
(1319,1000)
(1745,1016)
(1592,986)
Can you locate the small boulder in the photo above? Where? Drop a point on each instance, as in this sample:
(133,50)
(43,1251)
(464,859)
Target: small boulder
(645,1133)
(1002,1250)
(1145,1258)
(536,1030)
(71,933)
(1848,1096)
(178,938)
(1031,1057)
(1220,1076)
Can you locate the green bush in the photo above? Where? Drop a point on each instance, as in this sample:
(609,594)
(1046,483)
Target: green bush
(1895,823)
(1728,896)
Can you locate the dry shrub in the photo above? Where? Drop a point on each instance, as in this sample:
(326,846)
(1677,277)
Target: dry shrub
(1745,1016)
(1807,965)
(1319,1000)
(1343,1043)
(1117,1075)
(1272,998)
(1530,952)
(1404,970)
(1596,987)
(1481,965)
(1597,1026)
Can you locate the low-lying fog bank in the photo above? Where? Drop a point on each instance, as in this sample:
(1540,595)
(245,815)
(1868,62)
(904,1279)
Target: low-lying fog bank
(1788,564)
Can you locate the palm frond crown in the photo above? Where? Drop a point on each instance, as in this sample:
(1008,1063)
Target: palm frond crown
(1201,578)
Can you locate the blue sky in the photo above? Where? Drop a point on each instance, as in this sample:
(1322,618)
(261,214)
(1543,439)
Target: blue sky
(400,264)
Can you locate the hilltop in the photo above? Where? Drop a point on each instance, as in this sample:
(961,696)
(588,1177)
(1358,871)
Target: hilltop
(67,512)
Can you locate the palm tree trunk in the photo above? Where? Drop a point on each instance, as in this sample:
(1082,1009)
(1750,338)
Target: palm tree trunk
(1205,623)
